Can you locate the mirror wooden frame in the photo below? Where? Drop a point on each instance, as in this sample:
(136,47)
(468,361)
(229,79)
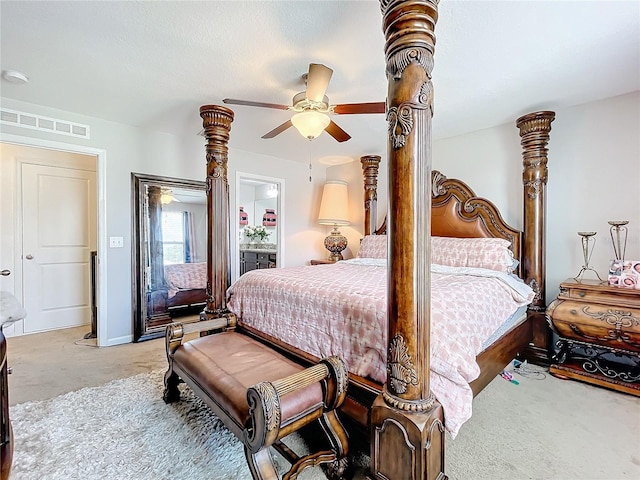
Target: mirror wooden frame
(149,321)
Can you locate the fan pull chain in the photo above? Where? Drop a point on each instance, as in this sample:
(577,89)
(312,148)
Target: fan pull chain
(309,161)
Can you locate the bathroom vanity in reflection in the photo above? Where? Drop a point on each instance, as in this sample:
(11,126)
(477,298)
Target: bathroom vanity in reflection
(257,258)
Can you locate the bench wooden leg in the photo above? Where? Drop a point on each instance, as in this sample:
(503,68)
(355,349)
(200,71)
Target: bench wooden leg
(261,464)
(171,392)
(337,470)
(337,435)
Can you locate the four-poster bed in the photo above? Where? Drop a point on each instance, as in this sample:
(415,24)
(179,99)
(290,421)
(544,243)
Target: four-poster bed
(404,417)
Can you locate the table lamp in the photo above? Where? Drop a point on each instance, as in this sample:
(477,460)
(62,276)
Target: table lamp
(334,210)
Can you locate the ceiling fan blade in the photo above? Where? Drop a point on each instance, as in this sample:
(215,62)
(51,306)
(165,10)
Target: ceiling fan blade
(371,107)
(249,103)
(278,130)
(318,81)
(336,132)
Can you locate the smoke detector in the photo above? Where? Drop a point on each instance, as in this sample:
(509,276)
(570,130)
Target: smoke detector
(13,76)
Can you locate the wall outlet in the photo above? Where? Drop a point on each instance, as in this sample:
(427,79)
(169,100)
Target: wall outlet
(116,242)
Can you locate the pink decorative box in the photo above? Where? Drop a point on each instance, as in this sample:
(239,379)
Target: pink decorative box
(625,274)
(269,218)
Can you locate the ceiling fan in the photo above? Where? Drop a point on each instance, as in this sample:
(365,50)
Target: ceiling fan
(312,107)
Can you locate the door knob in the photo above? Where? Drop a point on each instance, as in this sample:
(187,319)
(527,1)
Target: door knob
(29,257)
(5,273)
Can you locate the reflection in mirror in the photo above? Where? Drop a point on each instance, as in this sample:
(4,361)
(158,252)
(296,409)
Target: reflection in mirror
(259,222)
(169,251)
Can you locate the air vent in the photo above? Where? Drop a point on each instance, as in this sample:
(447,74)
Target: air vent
(44,124)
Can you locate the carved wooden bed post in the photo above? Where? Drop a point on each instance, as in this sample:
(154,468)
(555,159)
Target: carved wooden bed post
(534,133)
(406,420)
(216,121)
(370,165)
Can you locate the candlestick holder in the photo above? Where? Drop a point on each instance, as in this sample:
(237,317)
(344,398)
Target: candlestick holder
(588,241)
(619,232)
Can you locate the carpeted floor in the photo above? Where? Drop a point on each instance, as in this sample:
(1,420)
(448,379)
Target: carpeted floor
(539,429)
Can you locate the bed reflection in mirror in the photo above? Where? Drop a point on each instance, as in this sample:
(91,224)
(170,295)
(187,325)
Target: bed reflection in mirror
(169,251)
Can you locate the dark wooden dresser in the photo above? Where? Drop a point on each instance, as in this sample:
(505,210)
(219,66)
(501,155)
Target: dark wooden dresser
(598,328)
(6,437)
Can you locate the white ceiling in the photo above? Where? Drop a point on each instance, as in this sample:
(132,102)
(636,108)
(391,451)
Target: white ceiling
(153,64)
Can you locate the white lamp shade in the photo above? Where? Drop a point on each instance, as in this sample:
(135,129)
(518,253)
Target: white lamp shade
(310,123)
(334,207)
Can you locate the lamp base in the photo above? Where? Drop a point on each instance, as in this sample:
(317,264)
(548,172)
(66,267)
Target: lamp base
(335,243)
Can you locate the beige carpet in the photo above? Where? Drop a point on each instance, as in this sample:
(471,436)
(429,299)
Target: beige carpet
(539,429)
(548,429)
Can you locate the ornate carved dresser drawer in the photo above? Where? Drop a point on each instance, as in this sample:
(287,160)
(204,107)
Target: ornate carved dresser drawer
(598,328)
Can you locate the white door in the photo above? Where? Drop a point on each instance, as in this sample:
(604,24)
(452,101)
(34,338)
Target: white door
(58,234)
(7,210)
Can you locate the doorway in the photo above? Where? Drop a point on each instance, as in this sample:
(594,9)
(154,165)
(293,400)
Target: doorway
(259,202)
(49,224)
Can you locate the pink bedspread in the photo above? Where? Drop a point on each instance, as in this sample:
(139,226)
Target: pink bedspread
(185,276)
(306,307)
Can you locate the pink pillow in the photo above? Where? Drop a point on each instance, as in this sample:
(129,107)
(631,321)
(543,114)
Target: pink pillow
(373,246)
(490,253)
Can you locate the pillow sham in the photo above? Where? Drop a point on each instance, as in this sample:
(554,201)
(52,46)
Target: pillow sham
(490,253)
(373,246)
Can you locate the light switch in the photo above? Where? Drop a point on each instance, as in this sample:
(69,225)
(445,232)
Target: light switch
(116,242)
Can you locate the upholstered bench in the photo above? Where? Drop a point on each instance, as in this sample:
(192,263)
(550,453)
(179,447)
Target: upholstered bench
(260,395)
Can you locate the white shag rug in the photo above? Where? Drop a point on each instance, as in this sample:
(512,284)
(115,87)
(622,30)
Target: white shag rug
(124,430)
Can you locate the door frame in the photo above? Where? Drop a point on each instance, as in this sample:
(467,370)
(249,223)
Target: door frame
(101,180)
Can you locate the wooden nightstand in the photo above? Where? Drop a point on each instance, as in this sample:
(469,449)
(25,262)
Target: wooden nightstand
(599,334)
(321,262)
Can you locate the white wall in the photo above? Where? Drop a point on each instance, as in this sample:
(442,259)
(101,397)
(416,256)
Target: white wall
(594,177)
(130,149)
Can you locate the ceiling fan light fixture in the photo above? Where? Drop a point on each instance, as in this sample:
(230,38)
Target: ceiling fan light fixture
(167,197)
(310,123)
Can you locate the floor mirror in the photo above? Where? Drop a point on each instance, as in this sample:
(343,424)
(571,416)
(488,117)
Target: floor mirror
(169,243)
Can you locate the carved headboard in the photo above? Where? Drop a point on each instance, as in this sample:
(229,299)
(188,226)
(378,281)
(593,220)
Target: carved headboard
(456,211)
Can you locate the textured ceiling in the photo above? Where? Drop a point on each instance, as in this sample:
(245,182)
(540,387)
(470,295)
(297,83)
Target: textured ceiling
(152,64)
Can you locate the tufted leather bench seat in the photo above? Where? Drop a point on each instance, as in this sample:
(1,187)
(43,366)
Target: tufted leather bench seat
(259,394)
